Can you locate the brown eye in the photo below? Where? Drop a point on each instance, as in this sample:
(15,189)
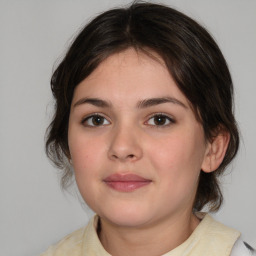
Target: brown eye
(95,120)
(160,120)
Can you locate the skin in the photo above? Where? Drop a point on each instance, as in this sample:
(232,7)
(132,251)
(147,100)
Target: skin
(128,139)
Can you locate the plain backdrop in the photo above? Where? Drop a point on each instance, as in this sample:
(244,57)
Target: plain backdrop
(34,211)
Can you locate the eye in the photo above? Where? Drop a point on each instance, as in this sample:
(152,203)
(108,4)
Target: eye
(160,120)
(95,120)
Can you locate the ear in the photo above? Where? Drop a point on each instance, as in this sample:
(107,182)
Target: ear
(215,151)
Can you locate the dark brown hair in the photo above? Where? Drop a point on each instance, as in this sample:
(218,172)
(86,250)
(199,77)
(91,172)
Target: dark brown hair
(192,57)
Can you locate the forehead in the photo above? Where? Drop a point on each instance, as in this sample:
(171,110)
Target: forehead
(130,62)
(130,76)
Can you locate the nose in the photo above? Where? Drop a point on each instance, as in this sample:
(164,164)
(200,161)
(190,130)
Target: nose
(125,145)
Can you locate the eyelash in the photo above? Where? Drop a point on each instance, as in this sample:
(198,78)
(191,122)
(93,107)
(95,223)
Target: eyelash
(161,115)
(86,119)
(156,115)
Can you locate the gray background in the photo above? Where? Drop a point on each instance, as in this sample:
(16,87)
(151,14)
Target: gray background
(34,34)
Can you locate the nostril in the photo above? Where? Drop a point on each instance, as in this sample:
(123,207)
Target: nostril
(130,156)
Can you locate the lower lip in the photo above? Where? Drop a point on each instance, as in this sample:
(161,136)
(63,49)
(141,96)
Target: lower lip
(127,186)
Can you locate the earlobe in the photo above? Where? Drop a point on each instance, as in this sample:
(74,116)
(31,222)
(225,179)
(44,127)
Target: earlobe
(70,161)
(215,152)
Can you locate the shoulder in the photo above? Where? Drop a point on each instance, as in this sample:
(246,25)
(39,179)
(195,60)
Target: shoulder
(69,245)
(241,248)
(84,241)
(230,238)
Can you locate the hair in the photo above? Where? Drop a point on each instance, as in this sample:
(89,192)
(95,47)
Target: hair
(192,57)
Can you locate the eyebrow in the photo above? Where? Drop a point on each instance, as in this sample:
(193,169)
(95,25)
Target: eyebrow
(141,104)
(93,101)
(157,101)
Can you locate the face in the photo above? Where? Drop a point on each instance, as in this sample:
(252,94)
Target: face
(136,146)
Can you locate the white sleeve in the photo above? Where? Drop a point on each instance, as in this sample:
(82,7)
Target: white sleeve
(242,249)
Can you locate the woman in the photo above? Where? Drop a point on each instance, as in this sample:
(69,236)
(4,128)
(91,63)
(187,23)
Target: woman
(144,119)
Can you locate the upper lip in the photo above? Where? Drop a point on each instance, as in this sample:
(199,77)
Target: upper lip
(117,177)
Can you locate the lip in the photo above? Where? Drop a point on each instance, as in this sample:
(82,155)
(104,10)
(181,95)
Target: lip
(126,182)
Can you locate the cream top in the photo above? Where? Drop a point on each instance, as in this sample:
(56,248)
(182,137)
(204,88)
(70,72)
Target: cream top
(210,238)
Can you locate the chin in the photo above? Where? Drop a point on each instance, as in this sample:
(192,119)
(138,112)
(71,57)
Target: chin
(127,217)
(128,221)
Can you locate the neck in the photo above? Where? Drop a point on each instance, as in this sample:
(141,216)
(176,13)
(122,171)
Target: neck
(149,238)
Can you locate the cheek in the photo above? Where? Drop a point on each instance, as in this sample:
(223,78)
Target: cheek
(178,158)
(177,164)
(86,154)
(86,157)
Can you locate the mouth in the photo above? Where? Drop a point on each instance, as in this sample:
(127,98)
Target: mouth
(126,182)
